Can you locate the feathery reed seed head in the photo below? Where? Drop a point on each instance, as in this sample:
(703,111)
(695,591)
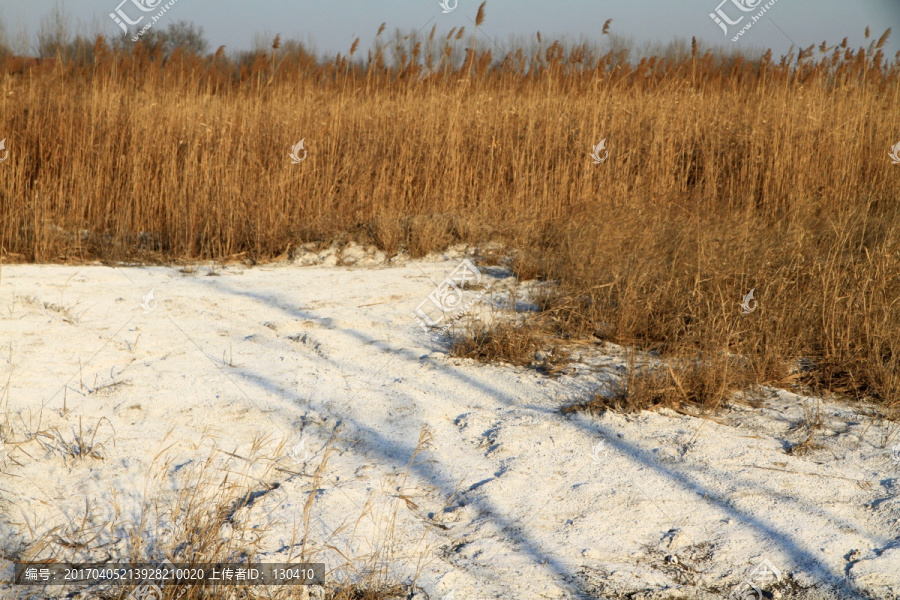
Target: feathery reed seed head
(479,18)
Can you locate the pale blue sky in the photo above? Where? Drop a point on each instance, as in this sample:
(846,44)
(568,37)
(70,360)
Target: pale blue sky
(333,24)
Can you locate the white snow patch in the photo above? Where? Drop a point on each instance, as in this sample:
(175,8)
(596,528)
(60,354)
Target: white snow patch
(514,499)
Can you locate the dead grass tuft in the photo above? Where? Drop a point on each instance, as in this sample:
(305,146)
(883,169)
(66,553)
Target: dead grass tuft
(417,235)
(701,384)
(523,345)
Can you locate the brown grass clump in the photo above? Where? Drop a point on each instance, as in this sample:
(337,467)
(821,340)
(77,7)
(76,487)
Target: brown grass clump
(826,280)
(522,345)
(418,235)
(700,384)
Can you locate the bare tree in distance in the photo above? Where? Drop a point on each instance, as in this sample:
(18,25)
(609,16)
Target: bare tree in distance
(180,34)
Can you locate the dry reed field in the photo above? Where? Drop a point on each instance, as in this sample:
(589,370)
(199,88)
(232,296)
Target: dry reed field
(725,173)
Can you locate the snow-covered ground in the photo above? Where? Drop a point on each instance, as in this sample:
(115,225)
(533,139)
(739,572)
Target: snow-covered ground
(509,498)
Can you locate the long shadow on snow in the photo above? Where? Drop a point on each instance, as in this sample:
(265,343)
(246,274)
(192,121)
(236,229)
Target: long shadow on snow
(520,537)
